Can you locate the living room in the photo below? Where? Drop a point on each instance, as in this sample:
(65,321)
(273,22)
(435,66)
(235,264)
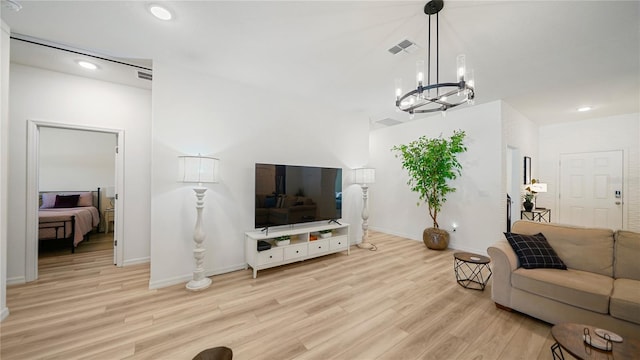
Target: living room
(193,110)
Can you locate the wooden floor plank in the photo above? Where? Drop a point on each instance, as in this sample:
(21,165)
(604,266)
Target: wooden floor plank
(399,302)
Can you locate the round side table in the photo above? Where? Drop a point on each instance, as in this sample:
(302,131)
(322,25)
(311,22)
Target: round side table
(569,337)
(472,270)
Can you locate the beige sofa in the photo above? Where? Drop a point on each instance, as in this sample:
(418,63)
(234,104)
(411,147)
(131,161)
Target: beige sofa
(601,286)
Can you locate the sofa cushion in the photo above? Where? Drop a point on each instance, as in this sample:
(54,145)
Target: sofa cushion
(580,248)
(574,287)
(627,255)
(534,251)
(625,300)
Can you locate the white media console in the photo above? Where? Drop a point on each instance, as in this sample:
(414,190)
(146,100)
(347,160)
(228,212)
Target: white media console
(300,248)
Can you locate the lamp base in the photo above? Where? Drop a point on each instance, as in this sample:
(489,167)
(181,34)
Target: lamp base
(197,285)
(366,245)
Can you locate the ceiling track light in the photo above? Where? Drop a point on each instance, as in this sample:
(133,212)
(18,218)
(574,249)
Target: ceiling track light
(437,96)
(87,65)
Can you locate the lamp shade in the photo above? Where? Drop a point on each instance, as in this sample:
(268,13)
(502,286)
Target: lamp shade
(110,192)
(538,187)
(198,169)
(365,175)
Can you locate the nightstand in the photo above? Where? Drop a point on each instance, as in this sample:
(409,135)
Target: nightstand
(108,217)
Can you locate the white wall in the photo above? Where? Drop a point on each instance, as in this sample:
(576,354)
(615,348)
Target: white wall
(76,159)
(475,207)
(42,95)
(198,113)
(4,156)
(620,132)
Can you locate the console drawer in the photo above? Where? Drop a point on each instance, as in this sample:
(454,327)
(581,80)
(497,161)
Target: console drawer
(338,242)
(318,246)
(270,256)
(295,251)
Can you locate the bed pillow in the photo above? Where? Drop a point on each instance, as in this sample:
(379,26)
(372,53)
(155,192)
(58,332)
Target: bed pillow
(86,199)
(48,200)
(66,201)
(534,251)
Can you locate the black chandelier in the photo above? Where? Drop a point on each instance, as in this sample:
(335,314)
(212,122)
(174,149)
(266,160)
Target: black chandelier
(437,96)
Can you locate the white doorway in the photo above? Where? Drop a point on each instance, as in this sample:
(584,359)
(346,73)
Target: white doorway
(33,145)
(513,187)
(591,189)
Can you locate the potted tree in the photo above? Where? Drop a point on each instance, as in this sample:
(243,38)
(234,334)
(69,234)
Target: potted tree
(432,163)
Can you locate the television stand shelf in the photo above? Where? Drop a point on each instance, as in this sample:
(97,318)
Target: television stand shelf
(301,246)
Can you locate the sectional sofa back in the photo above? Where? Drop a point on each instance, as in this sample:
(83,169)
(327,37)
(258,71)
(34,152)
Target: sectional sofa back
(580,248)
(627,262)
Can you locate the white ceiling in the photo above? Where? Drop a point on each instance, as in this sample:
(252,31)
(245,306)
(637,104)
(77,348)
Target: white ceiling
(545,58)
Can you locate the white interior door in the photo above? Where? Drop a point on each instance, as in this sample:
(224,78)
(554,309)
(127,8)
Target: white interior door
(591,189)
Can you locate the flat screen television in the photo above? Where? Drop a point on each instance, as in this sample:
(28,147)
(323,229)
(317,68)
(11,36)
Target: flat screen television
(293,194)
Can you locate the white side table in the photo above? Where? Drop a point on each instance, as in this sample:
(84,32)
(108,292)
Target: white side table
(108,217)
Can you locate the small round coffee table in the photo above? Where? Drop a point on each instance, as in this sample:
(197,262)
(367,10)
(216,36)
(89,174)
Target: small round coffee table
(471,269)
(569,336)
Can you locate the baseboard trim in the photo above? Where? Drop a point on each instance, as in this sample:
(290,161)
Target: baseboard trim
(16,280)
(185,278)
(136,261)
(453,245)
(4,313)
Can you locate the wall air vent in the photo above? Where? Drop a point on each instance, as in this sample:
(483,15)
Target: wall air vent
(404,45)
(145,76)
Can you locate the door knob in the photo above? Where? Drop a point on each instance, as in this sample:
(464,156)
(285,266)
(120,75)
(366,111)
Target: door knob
(617,202)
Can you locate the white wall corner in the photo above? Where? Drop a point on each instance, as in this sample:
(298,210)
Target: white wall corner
(16,280)
(136,261)
(4,313)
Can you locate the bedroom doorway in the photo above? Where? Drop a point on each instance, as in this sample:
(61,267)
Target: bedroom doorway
(113,188)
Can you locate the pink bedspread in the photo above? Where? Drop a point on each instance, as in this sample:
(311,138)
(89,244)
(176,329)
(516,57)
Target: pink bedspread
(86,219)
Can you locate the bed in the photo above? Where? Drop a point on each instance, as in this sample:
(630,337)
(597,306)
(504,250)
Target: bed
(69,215)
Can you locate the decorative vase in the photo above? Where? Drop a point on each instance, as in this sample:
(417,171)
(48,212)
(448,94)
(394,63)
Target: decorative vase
(435,239)
(528,205)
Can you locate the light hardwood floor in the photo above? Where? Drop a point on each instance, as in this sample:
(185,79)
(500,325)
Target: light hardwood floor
(400,302)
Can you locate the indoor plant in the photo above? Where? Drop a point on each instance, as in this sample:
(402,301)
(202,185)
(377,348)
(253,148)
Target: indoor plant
(282,240)
(528,203)
(529,196)
(431,163)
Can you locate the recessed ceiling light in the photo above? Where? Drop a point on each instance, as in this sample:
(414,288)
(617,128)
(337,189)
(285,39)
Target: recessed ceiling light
(584,108)
(160,12)
(87,65)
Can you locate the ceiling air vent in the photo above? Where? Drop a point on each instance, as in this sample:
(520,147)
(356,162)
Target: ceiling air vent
(404,45)
(389,122)
(144,76)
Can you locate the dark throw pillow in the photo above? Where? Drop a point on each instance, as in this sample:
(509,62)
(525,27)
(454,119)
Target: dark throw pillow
(66,201)
(534,251)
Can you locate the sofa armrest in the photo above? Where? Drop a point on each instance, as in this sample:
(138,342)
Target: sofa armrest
(504,261)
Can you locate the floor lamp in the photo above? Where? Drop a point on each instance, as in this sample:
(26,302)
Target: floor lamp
(364,177)
(198,169)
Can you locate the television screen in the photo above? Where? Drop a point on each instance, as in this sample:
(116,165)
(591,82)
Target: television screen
(290,194)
